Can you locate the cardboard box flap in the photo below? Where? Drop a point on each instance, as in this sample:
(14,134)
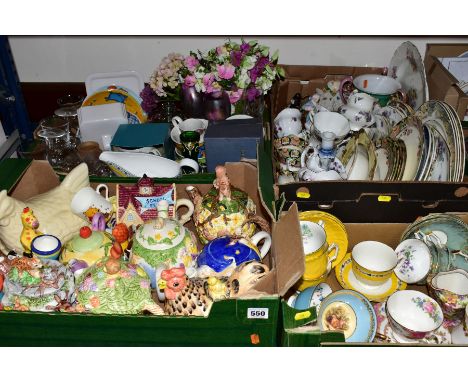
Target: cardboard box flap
(287,244)
(37,179)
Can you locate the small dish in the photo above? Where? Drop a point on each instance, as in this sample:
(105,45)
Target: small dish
(414,261)
(312,296)
(350,312)
(347,279)
(239,116)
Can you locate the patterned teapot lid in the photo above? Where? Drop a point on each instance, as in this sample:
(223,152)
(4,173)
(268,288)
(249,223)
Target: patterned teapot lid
(87,241)
(160,234)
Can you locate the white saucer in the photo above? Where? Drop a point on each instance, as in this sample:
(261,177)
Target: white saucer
(239,116)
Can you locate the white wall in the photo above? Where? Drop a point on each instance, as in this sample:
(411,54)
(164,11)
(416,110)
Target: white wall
(71,59)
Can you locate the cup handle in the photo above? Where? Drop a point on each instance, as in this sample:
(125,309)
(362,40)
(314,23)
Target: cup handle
(190,163)
(176,121)
(187,203)
(344,81)
(331,258)
(98,190)
(401,95)
(154,151)
(255,239)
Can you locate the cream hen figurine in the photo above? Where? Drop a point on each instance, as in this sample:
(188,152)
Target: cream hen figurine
(51,208)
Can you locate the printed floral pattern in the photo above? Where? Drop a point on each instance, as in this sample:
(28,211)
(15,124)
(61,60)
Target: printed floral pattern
(406,265)
(429,307)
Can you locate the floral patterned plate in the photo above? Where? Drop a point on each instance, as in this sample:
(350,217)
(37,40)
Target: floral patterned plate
(414,261)
(407,67)
(411,133)
(440,168)
(347,279)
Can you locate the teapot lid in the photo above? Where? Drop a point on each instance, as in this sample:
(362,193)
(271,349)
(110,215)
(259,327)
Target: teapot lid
(160,233)
(87,241)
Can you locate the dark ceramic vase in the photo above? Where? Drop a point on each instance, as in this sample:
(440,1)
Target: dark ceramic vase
(217,106)
(192,103)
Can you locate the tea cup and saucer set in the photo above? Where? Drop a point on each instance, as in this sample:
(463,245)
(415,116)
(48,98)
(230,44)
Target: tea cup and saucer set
(410,317)
(373,276)
(325,243)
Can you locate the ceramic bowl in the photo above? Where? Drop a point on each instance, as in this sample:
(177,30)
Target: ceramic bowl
(376,84)
(413,314)
(414,261)
(312,296)
(373,262)
(451,290)
(331,122)
(350,312)
(46,247)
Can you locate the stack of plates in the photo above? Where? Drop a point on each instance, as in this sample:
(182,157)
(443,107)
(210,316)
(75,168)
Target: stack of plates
(445,147)
(433,146)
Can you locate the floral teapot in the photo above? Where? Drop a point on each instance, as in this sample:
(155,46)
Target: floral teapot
(113,286)
(224,210)
(161,243)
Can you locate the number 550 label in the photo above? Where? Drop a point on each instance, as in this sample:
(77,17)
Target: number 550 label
(257,313)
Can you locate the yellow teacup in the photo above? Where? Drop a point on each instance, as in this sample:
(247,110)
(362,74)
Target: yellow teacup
(373,262)
(318,254)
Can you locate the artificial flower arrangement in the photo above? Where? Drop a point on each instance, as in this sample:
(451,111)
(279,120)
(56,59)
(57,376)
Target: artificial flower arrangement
(246,71)
(239,69)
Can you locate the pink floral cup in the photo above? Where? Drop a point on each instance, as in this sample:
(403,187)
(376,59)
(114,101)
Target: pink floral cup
(450,289)
(413,315)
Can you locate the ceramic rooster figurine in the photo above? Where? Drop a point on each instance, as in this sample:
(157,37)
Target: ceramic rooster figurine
(29,232)
(186,296)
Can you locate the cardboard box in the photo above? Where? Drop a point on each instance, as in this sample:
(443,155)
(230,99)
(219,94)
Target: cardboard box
(354,201)
(296,334)
(304,79)
(228,323)
(351,200)
(232,140)
(441,83)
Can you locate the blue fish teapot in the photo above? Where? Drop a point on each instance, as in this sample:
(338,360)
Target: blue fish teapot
(222,255)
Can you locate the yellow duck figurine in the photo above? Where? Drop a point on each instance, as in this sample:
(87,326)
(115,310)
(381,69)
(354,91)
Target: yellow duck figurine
(30,225)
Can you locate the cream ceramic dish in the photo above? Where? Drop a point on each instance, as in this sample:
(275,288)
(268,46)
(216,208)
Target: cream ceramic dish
(138,164)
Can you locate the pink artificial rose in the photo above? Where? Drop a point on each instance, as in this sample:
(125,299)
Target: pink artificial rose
(235,96)
(225,71)
(191,63)
(190,81)
(428,307)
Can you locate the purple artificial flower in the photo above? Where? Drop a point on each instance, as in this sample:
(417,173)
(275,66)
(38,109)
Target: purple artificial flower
(245,47)
(254,74)
(236,57)
(252,93)
(191,63)
(190,81)
(235,95)
(225,71)
(149,99)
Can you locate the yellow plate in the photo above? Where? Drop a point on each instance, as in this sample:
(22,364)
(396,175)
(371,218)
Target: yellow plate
(345,276)
(112,94)
(334,228)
